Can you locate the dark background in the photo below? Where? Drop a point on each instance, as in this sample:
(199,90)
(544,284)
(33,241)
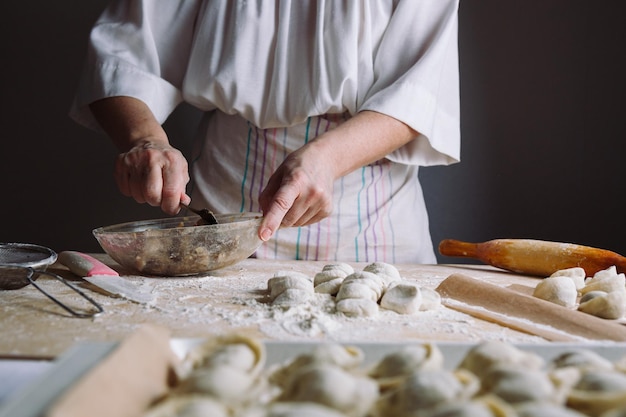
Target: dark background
(542,93)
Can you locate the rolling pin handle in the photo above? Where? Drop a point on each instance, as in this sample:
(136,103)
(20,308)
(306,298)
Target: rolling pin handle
(451,247)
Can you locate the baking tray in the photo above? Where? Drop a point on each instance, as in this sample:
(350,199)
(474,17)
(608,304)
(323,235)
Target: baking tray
(36,398)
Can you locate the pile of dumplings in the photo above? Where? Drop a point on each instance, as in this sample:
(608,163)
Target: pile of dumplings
(356,293)
(227,377)
(603,295)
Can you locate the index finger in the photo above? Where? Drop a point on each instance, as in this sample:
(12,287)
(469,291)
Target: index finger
(278,208)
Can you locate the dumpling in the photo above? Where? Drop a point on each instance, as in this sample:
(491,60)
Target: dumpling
(395,367)
(609,306)
(188,406)
(484,356)
(387,272)
(329,279)
(576,274)
(559,290)
(545,409)
(226,368)
(345,357)
(597,392)
(423,390)
(291,409)
(607,280)
(333,387)
(583,359)
(403,298)
(515,384)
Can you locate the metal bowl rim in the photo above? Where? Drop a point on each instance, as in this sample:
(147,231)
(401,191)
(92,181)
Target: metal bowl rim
(131,227)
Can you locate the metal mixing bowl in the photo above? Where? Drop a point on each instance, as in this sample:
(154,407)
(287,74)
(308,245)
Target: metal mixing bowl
(177,247)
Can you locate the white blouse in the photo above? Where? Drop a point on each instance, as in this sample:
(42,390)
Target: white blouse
(281,65)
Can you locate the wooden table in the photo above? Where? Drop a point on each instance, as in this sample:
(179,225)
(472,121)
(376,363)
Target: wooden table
(235,299)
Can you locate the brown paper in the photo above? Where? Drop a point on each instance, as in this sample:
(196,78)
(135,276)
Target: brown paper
(126,382)
(506,307)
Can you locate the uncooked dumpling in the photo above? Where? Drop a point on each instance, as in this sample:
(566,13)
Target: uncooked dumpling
(278,284)
(515,384)
(387,272)
(291,409)
(188,406)
(403,298)
(560,290)
(395,367)
(583,359)
(423,390)
(597,392)
(545,409)
(481,358)
(225,368)
(358,307)
(609,306)
(329,280)
(238,351)
(431,300)
(576,274)
(346,357)
(333,387)
(607,280)
(367,279)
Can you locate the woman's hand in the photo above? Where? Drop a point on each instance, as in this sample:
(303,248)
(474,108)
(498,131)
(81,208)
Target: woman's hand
(300,191)
(149,169)
(153,173)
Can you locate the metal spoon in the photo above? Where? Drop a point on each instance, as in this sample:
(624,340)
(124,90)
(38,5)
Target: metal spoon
(205,214)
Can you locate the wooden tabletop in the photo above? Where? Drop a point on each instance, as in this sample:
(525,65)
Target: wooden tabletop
(234,299)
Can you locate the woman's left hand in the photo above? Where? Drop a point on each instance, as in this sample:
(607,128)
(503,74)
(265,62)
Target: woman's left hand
(299,192)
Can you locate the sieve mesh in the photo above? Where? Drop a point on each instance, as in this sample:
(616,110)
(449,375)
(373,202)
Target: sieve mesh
(26,254)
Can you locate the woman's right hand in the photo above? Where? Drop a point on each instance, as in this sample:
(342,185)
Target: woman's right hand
(149,169)
(153,172)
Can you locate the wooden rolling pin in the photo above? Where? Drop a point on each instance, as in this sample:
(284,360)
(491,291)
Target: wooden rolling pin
(524,312)
(535,257)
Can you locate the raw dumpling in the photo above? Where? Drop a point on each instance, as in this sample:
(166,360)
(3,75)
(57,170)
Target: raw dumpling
(225,368)
(237,351)
(359,294)
(359,307)
(291,409)
(188,406)
(387,272)
(345,357)
(367,285)
(403,298)
(431,300)
(576,274)
(560,290)
(481,358)
(329,280)
(607,280)
(395,367)
(597,392)
(545,409)
(289,288)
(333,387)
(423,390)
(515,384)
(582,359)
(609,306)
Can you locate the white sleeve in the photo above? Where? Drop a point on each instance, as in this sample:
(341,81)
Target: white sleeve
(417,80)
(140,49)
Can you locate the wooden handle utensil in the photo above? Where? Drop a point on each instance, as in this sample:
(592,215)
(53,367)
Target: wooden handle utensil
(524,312)
(534,257)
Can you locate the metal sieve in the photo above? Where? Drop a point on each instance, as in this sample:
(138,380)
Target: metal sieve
(22,263)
